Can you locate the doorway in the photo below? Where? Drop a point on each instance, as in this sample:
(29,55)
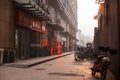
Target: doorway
(22,43)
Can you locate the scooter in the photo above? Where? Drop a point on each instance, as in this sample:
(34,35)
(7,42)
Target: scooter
(100,66)
(102,63)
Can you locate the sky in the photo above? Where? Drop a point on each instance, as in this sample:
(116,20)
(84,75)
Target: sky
(87,9)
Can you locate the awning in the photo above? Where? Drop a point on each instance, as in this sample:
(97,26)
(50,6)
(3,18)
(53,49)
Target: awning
(32,8)
(55,26)
(66,33)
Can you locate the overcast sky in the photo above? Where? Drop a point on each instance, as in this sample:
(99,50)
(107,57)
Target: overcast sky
(87,9)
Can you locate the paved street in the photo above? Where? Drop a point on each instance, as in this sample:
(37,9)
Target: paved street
(64,68)
(38,37)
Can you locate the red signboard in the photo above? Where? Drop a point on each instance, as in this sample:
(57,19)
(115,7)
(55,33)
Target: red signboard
(35,25)
(24,20)
(43,28)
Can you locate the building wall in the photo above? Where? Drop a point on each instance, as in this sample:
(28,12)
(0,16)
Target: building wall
(78,35)
(65,15)
(6,24)
(95,41)
(9,29)
(113,35)
(10,32)
(108,32)
(118,3)
(6,31)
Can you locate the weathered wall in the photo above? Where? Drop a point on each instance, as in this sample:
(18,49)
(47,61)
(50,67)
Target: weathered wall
(6,24)
(108,31)
(113,36)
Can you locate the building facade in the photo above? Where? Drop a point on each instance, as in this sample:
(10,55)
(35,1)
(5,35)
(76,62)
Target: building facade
(107,33)
(35,28)
(79,37)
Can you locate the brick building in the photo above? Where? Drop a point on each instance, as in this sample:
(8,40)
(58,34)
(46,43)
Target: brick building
(35,28)
(107,33)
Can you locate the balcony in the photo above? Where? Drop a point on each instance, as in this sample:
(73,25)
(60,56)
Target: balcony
(67,33)
(55,26)
(32,8)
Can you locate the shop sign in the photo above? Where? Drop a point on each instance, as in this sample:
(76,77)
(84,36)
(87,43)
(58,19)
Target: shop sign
(24,20)
(43,28)
(35,25)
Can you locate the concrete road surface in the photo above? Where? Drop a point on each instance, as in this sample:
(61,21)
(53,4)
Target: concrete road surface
(64,68)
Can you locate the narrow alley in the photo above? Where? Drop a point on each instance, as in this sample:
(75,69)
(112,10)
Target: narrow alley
(38,37)
(64,68)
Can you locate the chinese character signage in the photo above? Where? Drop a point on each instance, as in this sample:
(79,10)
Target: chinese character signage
(24,20)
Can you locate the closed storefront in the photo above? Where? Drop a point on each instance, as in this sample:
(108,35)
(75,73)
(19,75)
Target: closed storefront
(29,36)
(22,42)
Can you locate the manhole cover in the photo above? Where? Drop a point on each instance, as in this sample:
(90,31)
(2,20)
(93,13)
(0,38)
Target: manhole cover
(39,69)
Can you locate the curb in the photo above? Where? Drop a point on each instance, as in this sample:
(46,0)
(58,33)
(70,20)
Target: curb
(46,60)
(17,65)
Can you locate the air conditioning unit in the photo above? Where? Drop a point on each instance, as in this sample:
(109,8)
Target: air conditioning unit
(100,1)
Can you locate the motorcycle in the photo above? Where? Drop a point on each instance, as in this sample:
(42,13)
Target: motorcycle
(79,55)
(102,63)
(100,66)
